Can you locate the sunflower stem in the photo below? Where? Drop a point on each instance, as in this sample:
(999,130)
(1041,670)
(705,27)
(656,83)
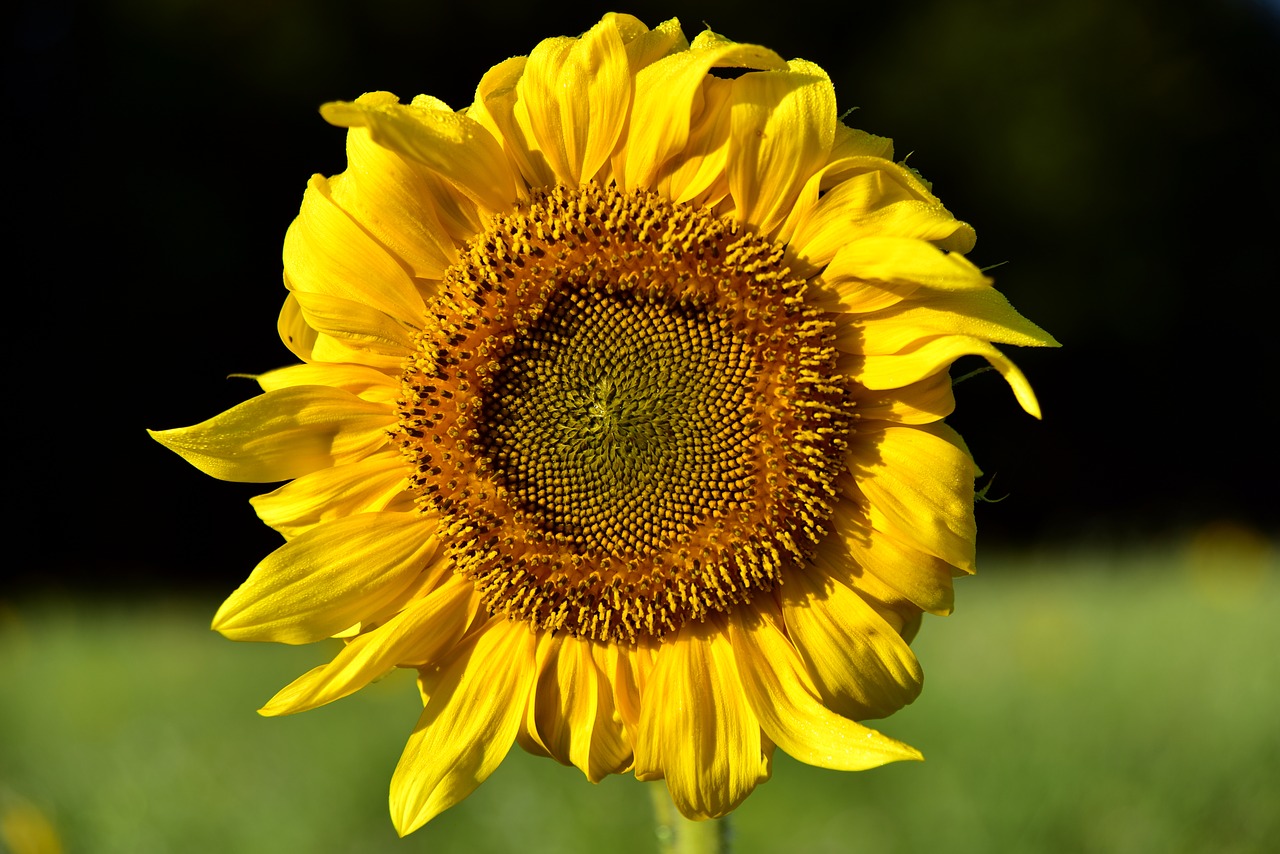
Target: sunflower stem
(679,835)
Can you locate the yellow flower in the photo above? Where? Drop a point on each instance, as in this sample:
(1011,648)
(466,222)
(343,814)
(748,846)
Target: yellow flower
(618,418)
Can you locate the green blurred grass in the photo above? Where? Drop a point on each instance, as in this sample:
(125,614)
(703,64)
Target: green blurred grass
(1072,704)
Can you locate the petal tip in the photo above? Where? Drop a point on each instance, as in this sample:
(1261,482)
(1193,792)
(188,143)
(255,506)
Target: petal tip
(407,817)
(219,621)
(229,622)
(881,750)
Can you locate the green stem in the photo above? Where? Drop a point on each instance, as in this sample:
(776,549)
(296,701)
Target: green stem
(679,835)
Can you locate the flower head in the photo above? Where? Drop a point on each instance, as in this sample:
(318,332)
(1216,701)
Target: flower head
(619,418)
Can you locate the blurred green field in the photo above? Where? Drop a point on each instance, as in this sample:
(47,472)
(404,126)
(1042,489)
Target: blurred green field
(1071,704)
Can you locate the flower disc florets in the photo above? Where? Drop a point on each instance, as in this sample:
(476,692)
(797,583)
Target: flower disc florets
(625,412)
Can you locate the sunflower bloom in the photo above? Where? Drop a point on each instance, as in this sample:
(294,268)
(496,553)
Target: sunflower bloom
(618,418)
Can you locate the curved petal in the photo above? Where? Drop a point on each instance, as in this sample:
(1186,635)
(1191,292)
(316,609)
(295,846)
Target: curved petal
(931,399)
(468,725)
(326,252)
(850,298)
(497,107)
(312,346)
(696,728)
(920,486)
(627,670)
(697,175)
(459,215)
(571,712)
(578,93)
(325,580)
(877,198)
(356,325)
(294,331)
(784,125)
(364,382)
(983,314)
(448,143)
(392,199)
(900,260)
(666,94)
(367,486)
(858,550)
(918,361)
(902,615)
(646,46)
(861,667)
(788,708)
(851,142)
(424,631)
(282,434)
(333,350)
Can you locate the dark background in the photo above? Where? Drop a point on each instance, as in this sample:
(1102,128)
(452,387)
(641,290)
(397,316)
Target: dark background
(1118,157)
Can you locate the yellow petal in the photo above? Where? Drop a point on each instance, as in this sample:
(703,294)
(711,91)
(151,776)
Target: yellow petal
(326,252)
(468,725)
(697,175)
(788,708)
(850,298)
(392,199)
(802,210)
(784,125)
(922,402)
(666,93)
(357,326)
(364,382)
(920,486)
(294,331)
(571,711)
(928,313)
(282,434)
(328,578)
(371,485)
(578,94)
(851,142)
(861,667)
(901,260)
(497,108)
(858,550)
(918,361)
(646,46)
(627,670)
(546,732)
(878,198)
(312,346)
(334,350)
(456,147)
(422,586)
(696,728)
(894,608)
(427,629)
(460,217)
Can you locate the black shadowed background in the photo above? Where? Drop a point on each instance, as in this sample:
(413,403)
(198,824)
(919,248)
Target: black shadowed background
(1117,159)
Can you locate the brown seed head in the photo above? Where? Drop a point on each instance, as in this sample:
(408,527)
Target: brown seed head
(625,413)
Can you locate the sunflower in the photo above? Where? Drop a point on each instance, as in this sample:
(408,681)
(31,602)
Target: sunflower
(618,418)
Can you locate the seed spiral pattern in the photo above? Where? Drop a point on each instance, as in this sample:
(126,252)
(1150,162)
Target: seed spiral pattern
(614,409)
(624,413)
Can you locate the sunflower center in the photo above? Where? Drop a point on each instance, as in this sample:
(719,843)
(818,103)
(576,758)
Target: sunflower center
(625,414)
(618,421)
